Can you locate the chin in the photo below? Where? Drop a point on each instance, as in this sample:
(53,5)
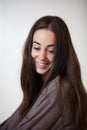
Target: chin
(42,72)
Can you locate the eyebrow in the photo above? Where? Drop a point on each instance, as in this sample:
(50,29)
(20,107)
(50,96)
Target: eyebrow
(40,44)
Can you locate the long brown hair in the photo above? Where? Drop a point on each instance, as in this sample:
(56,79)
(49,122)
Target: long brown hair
(66,65)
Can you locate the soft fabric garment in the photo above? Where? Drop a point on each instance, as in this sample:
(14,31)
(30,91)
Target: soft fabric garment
(45,114)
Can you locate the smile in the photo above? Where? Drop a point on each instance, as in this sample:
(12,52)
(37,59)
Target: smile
(42,64)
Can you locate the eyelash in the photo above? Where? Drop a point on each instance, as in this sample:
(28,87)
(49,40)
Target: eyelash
(37,49)
(52,52)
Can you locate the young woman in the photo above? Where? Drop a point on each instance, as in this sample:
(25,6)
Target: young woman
(54,97)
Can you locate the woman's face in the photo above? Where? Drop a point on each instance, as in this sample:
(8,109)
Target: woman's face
(43,50)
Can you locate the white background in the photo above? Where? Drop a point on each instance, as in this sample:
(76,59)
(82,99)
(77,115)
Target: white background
(16,19)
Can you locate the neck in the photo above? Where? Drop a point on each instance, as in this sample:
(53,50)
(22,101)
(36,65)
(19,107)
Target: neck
(44,77)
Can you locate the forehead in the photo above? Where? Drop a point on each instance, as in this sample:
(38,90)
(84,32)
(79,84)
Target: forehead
(44,36)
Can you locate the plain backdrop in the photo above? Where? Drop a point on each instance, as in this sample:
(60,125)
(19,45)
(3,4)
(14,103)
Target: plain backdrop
(16,19)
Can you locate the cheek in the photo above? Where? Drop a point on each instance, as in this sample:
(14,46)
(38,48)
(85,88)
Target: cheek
(33,54)
(51,58)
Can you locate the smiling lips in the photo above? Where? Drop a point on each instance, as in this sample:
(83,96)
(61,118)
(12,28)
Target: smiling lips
(42,65)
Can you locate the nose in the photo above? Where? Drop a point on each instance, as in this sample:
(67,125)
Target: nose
(42,55)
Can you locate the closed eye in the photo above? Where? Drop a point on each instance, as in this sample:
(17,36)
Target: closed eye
(51,51)
(36,48)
